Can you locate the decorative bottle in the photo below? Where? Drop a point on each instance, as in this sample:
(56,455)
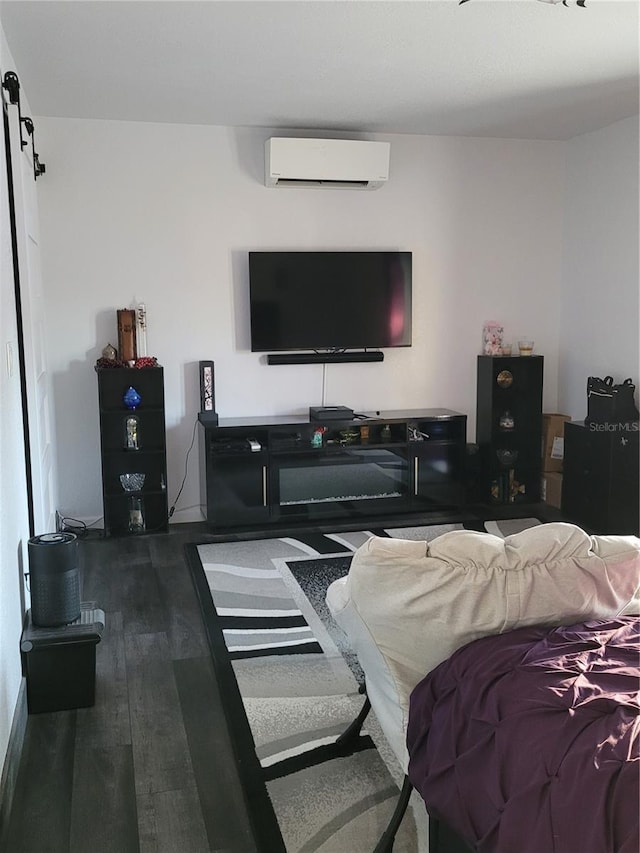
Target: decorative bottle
(136,515)
(132,433)
(131,398)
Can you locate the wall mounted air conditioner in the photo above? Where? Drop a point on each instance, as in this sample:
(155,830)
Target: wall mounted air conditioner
(349,163)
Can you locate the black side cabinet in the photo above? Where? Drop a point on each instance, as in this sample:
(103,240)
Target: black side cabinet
(437,455)
(132,441)
(509,427)
(600,480)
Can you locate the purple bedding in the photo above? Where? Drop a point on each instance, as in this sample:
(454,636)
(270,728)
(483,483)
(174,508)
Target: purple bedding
(528,742)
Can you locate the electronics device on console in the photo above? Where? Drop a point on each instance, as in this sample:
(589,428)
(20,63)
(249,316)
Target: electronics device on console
(330,413)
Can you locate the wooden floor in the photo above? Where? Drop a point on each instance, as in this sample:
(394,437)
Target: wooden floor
(150,767)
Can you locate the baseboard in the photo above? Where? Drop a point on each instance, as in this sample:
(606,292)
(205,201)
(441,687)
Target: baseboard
(11,765)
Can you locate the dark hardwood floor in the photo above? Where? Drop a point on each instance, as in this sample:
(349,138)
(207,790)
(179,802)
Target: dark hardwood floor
(150,766)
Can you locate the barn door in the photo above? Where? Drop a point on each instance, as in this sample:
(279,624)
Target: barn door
(32,329)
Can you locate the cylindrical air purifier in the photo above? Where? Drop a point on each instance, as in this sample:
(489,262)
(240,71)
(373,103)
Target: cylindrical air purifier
(54,577)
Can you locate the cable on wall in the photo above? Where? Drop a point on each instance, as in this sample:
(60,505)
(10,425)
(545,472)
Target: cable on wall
(184,479)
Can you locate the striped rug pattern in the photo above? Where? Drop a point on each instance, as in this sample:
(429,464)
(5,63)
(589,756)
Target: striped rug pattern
(257,616)
(298,685)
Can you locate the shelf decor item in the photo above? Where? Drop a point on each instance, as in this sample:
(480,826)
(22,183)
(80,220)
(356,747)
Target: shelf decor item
(110,352)
(132,433)
(136,515)
(525,348)
(132,482)
(145,361)
(506,421)
(505,379)
(131,398)
(127,334)
(207,389)
(492,338)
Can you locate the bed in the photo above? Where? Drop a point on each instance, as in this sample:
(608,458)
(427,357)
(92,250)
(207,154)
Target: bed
(528,742)
(457,638)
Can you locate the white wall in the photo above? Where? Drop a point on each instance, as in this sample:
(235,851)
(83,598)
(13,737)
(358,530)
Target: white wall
(167,214)
(14,522)
(600,297)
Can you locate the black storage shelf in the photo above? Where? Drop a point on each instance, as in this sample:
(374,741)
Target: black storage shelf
(150,457)
(395,462)
(510,385)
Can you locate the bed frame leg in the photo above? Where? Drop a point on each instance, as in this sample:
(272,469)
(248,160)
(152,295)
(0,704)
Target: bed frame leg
(385,845)
(352,732)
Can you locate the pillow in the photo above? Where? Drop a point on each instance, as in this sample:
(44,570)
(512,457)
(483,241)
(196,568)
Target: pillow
(418,602)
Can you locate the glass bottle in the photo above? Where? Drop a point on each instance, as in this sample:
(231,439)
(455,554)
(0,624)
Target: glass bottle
(136,515)
(132,433)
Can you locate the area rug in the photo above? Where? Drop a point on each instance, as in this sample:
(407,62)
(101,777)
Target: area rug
(290,683)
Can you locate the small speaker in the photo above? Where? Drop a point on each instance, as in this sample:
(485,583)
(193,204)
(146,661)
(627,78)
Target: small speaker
(54,579)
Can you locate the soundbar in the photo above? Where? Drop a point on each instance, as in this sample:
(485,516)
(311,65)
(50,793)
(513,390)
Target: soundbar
(323,357)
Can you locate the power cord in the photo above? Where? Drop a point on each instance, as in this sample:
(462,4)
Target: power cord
(186,461)
(79,528)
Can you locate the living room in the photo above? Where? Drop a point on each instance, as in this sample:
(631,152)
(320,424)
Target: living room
(537,229)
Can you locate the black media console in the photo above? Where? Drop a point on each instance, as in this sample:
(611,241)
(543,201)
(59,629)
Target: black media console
(293,469)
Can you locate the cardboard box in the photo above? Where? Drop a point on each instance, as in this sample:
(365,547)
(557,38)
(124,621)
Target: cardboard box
(553,441)
(551,491)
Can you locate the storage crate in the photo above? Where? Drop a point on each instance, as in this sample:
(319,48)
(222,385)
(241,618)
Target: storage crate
(60,663)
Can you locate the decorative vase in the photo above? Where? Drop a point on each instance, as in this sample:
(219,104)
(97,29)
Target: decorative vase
(136,516)
(109,352)
(506,421)
(132,433)
(131,398)
(492,338)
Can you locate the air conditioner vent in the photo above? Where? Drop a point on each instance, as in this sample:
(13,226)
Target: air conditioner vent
(326,163)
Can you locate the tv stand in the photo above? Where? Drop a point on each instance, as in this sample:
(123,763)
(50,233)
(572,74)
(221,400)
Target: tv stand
(259,471)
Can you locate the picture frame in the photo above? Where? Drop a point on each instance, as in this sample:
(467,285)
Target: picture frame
(207,387)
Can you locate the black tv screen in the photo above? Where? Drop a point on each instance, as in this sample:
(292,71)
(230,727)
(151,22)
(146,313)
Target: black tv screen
(329,300)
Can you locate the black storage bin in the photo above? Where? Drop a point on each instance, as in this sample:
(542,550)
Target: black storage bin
(60,663)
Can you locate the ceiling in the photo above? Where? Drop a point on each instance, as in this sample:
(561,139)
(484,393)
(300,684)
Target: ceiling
(495,68)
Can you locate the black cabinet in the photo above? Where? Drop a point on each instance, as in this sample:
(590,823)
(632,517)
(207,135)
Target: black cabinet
(133,443)
(235,476)
(509,427)
(293,469)
(600,480)
(437,453)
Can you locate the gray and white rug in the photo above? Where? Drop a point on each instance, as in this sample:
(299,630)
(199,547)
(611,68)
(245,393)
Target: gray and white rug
(291,681)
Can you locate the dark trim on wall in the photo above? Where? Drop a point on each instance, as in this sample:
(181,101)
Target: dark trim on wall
(19,318)
(13,755)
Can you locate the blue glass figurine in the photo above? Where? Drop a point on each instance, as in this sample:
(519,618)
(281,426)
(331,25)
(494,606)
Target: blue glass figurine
(131,398)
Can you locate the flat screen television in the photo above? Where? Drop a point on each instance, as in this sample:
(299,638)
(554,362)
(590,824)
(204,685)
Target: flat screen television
(329,300)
